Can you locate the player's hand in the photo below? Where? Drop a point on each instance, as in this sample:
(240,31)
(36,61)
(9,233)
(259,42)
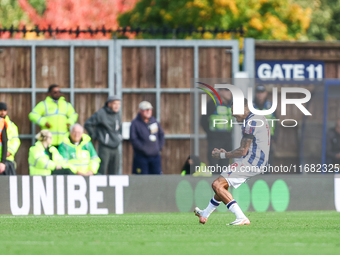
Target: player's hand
(88,173)
(216,153)
(68,125)
(48,125)
(337,155)
(2,168)
(8,154)
(58,167)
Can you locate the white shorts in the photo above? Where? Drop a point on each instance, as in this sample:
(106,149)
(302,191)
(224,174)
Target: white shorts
(240,172)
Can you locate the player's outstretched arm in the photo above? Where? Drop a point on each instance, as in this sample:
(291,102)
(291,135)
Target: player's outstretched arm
(237,153)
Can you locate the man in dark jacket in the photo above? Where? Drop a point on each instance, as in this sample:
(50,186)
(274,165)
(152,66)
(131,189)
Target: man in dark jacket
(105,126)
(333,145)
(147,139)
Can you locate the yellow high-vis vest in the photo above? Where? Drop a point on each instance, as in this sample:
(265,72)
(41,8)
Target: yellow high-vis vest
(39,161)
(58,115)
(13,143)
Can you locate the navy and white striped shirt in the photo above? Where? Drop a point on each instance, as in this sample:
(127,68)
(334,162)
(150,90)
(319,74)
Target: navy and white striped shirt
(257,128)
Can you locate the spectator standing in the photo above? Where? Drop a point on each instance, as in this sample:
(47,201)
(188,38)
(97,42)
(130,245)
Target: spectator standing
(54,114)
(13,143)
(3,144)
(147,139)
(105,125)
(78,150)
(219,135)
(44,159)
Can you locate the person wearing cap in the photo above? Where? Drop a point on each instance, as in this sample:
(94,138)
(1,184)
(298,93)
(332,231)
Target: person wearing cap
(147,139)
(105,126)
(218,135)
(261,102)
(13,142)
(54,114)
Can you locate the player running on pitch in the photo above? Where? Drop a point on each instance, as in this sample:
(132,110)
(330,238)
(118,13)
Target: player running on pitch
(251,156)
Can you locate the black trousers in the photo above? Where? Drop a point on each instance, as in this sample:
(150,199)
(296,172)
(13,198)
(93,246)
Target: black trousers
(109,160)
(62,171)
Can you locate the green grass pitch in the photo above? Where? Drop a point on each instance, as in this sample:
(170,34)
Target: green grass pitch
(172,233)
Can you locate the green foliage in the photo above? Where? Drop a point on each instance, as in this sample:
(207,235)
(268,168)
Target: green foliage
(325,23)
(262,19)
(12,14)
(39,5)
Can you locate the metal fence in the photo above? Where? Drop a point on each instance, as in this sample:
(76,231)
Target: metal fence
(115,49)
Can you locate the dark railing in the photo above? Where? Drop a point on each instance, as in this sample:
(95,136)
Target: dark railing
(152,31)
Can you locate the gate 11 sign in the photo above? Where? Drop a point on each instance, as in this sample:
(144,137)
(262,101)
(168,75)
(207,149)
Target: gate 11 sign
(289,70)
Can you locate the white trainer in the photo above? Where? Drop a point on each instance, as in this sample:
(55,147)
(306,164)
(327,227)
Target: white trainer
(242,221)
(199,213)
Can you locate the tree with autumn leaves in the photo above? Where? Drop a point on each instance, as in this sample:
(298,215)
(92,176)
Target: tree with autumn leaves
(70,14)
(83,14)
(261,19)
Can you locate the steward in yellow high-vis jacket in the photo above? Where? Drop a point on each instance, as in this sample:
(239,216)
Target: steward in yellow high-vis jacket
(78,150)
(13,143)
(44,159)
(54,114)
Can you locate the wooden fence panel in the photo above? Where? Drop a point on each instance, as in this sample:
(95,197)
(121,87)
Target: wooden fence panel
(139,67)
(177,67)
(18,108)
(214,62)
(127,157)
(91,67)
(52,66)
(86,104)
(284,50)
(175,113)
(15,67)
(21,158)
(174,154)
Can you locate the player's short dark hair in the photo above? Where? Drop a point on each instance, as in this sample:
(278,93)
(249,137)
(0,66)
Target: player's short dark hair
(245,102)
(51,87)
